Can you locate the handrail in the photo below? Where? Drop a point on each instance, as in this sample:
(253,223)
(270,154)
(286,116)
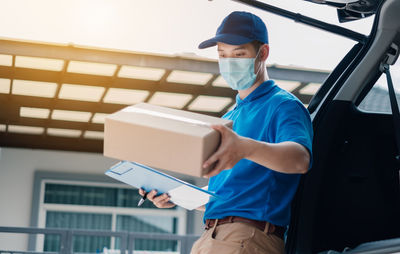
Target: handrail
(126,243)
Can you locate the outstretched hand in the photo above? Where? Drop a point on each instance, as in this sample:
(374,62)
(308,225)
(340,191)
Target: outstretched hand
(230,151)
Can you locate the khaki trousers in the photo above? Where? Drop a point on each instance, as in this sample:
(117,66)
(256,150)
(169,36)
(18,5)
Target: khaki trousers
(237,238)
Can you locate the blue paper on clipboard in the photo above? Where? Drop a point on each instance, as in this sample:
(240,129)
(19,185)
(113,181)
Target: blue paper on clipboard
(182,193)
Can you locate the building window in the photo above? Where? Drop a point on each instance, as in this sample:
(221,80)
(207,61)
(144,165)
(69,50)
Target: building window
(105,207)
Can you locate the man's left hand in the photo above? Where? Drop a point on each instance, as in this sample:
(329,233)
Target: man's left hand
(229,152)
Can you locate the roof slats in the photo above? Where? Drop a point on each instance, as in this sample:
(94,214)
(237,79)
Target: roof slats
(56,96)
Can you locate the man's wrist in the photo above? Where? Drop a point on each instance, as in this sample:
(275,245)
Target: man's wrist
(247,147)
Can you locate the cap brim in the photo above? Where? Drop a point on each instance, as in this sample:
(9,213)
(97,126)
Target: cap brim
(225,38)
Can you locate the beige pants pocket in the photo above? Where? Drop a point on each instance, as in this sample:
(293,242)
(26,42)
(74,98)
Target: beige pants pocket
(237,238)
(227,238)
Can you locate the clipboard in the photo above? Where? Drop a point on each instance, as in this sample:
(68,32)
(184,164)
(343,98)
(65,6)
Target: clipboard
(182,193)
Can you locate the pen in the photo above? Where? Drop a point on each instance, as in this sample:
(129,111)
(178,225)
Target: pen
(141,201)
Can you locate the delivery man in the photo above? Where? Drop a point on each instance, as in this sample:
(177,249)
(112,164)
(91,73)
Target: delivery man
(259,163)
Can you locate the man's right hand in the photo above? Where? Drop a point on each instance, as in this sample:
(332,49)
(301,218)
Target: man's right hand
(161,201)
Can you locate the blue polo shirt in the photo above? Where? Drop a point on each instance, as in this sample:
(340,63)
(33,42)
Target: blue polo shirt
(250,190)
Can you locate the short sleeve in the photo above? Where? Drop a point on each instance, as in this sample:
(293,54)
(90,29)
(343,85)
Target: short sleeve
(291,122)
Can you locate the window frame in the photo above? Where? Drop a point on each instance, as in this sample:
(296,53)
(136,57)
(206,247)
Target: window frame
(43,208)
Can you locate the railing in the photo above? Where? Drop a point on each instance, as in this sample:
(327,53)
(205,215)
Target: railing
(126,239)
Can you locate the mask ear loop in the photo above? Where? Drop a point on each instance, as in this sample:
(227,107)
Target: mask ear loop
(255,58)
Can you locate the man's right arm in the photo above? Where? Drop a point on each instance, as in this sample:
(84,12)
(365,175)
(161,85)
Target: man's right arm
(162,201)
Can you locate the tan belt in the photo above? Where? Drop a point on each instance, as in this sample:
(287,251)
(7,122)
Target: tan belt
(272,229)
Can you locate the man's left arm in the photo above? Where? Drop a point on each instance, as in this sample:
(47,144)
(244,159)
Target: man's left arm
(288,149)
(284,157)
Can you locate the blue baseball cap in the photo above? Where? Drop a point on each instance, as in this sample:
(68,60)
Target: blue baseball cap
(238,28)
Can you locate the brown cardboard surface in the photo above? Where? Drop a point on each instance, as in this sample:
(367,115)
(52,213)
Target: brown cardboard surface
(161,137)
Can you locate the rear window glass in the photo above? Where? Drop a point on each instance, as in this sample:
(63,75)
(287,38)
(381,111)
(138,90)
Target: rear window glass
(377,99)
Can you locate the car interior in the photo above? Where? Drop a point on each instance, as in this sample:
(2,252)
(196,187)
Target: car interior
(351,195)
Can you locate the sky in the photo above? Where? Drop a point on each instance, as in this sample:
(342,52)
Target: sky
(174,27)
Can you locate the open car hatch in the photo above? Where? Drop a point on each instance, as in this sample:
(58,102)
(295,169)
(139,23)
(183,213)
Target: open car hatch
(349,10)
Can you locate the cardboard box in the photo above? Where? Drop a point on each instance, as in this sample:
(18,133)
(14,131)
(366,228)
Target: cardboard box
(161,137)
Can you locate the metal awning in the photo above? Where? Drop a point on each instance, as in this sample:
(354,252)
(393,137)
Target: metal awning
(56,96)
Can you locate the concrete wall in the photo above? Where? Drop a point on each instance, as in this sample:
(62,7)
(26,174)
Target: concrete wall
(17,168)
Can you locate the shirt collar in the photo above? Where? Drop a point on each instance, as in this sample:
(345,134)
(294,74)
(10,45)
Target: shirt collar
(260,91)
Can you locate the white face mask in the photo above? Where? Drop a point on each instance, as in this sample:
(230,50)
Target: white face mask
(238,72)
